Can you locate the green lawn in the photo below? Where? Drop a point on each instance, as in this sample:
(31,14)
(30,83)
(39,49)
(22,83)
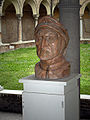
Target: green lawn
(15,65)
(20,63)
(85,68)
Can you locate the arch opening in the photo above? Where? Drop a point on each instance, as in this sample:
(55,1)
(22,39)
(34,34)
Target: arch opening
(87,10)
(56,13)
(42,10)
(86,22)
(28,23)
(9,25)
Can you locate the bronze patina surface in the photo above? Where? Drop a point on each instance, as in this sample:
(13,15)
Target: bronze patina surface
(51,41)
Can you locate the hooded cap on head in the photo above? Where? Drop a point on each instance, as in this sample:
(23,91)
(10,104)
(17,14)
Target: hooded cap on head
(51,23)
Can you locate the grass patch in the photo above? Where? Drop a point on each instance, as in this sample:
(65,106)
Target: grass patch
(20,63)
(85,68)
(15,65)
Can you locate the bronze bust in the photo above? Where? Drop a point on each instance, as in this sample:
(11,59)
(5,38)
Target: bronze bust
(51,41)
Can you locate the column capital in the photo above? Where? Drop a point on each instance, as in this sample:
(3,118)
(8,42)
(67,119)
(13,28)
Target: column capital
(81,18)
(19,16)
(36,16)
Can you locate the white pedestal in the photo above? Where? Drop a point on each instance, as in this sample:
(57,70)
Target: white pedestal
(51,99)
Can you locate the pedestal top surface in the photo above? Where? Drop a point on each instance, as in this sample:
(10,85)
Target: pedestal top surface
(64,81)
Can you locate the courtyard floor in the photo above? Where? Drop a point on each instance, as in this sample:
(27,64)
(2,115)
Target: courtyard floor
(14,116)
(10,116)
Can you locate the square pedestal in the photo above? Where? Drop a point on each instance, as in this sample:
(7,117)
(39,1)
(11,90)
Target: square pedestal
(51,99)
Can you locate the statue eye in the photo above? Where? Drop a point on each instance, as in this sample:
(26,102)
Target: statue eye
(51,39)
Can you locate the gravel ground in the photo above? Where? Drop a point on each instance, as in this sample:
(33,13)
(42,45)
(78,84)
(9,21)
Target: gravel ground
(14,116)
(10,116)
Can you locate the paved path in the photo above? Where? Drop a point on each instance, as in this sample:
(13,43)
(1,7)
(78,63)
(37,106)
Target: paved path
(14,116)
(10,116)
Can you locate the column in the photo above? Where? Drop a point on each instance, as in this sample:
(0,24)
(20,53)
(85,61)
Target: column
(69,17)
(0,30)
(81,29)
(19,28)
(36,19)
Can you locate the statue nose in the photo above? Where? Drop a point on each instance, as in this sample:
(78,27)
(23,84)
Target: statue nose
(43,43)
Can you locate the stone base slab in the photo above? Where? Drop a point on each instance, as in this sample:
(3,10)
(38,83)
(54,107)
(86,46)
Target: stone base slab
(11,101)
(51,99)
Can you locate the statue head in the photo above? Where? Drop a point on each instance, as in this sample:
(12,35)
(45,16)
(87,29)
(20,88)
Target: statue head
(51,41)
(51,38)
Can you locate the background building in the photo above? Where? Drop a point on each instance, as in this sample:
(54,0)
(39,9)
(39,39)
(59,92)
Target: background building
(18,19)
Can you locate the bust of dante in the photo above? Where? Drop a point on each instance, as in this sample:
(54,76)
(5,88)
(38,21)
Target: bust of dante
(51,41)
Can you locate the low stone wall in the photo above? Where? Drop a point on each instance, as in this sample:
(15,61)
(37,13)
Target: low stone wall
(23,45)
(85,41)
(14,46)
(13,103)
(6,48)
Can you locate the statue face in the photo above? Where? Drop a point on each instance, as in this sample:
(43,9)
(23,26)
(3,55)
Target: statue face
(47,43)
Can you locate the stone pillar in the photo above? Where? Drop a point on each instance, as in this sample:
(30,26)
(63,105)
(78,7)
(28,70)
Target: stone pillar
(36,19)
(50,99)
(0,30)
(69,17)
(81,28)
(19,28)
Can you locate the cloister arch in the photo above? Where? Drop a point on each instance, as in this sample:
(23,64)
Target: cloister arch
(83,6)
(87,11)
(15,4)
(27,22)
(42,11)
(56,12)
(86,22)
(32,4)
(44,8)
(47,6)
(9,23)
